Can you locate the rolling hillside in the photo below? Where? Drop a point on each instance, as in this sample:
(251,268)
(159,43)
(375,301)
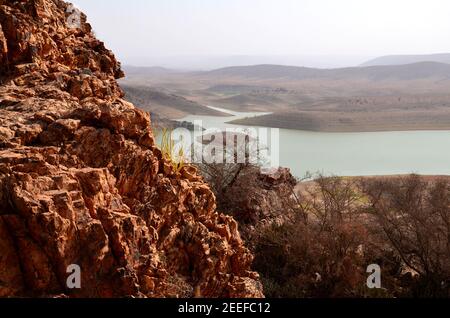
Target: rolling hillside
(408,59)
(393,97)
(165,104)
(416,71)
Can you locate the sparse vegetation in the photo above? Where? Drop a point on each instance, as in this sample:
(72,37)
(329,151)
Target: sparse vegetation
(380,98)
(335,227)
(414,218)
(167,147)
(320,252)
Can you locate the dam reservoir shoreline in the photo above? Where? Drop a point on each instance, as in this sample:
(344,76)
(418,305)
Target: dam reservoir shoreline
(424,152)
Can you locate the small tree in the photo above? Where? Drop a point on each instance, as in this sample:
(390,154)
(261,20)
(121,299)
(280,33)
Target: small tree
(321,255)
(414,216)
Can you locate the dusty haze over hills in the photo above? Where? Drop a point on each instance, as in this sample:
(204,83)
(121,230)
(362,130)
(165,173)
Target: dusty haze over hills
(97,202)
(408,59)
(376,98)
(298,59)
(197,34)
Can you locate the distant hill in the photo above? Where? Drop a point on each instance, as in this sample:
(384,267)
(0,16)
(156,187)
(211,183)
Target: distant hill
(139,70)
(372,98)
(265,71)
(416,71)
(408,59)
(165,104)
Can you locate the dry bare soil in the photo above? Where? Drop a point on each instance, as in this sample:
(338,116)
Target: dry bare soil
(376,98)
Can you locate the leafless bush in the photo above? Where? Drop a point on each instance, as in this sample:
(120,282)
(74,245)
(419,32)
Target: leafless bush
(240,187)
(333,229)
(322,255)
(414,216)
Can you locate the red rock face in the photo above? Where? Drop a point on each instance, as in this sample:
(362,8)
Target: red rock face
(81,181)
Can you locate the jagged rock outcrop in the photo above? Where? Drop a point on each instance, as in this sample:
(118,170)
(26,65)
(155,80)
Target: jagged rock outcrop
(270,198)
(81,181)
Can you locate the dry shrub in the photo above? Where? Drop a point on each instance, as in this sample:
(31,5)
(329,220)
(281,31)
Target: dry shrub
(401,224)
(223,179)
(336,228)
(414,218)
(320,256)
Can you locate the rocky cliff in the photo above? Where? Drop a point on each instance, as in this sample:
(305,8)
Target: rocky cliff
(82,182)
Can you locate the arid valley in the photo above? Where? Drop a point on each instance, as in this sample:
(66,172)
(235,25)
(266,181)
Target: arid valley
(373,98)
(154,149)
(373,120)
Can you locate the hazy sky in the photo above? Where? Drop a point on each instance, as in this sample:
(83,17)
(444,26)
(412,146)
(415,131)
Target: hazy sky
(360,28)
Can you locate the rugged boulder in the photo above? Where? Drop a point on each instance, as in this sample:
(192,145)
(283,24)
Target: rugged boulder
(270,198)
(82,182)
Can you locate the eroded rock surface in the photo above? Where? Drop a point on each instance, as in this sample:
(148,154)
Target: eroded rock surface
(81,181)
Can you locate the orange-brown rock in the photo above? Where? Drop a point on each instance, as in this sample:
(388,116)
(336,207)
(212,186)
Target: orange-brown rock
(82,182)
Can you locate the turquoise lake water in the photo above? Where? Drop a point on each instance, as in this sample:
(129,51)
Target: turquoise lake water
(354,154)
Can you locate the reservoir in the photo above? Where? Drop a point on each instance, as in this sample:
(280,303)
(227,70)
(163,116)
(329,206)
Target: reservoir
(353,154)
